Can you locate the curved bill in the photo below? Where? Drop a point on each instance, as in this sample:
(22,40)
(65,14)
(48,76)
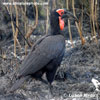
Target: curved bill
(69,15)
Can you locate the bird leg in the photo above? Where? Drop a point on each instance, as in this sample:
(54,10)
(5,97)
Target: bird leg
(50,88)
(42,80)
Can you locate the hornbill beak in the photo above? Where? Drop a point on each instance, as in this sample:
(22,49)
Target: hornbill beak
(69,15)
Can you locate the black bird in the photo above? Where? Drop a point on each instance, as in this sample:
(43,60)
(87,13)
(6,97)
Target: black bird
(47,53)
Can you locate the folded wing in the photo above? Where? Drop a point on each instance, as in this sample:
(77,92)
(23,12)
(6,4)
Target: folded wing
(49,48)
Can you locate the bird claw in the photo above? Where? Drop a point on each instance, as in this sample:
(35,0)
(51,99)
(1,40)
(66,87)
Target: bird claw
(50,89)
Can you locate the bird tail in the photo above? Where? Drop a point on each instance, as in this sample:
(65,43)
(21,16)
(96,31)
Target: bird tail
(19,83)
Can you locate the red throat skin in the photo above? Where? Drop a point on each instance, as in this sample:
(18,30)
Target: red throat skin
(61,23)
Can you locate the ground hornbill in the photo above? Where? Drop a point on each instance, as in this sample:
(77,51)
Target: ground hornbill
(47,53)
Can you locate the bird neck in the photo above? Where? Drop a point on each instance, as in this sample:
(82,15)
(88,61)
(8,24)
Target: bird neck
(54,23)
(55,32)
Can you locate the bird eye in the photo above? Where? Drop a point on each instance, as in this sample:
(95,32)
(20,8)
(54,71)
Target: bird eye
(62,13)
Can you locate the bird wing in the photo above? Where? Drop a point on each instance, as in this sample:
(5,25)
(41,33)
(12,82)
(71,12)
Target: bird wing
(38,41)
(49,48)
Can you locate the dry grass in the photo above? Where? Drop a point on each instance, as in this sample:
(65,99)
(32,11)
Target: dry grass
(93,16)
(47,19)
(78,25)
(36,22)
(69,26)
(92,11)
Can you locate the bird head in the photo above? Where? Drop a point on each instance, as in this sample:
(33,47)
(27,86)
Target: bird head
(57,18)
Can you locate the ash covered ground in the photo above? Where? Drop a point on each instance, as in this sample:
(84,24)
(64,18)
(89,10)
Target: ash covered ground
(72,80)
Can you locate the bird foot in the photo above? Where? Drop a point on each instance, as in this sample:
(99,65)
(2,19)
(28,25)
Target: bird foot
(50,89)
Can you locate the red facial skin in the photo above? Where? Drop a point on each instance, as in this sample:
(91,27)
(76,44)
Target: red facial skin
(61,21)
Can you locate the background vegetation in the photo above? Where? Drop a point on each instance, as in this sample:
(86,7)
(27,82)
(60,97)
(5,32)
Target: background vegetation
(34,19)
(22,25)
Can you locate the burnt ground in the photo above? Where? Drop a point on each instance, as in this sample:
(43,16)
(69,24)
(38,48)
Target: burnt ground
(73,78)
(72,81)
